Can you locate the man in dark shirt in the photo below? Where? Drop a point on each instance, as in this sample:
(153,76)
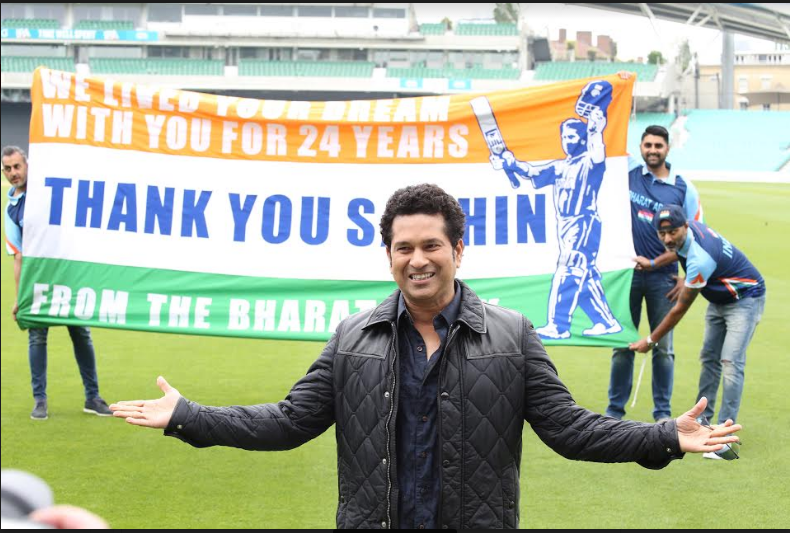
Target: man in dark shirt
(418,452)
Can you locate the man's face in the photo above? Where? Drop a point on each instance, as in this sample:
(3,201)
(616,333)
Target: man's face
(423,261)
(673,238)
(571,141)
(654,151)
(15,170)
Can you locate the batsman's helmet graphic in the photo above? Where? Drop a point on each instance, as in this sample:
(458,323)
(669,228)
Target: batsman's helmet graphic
(596,94)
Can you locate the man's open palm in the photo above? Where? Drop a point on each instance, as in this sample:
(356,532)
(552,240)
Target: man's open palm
(149,413)
(696,438)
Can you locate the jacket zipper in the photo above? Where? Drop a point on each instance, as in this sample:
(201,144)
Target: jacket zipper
(463,431)
(450,337)
(389,420)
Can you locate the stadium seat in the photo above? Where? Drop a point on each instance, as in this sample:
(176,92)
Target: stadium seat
(29,64)
(433,29)
(104,25)
(490,30)
(48,24)
(571,70)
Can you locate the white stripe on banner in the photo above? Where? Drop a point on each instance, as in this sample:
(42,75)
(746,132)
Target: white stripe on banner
(286,220)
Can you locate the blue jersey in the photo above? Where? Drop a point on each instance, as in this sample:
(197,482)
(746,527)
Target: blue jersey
(14,221)
(717,267)
(648,195)
(576,189)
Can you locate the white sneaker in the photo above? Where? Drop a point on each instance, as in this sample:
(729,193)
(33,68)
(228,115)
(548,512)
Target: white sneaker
(603,329)
(549,331)
(712,455)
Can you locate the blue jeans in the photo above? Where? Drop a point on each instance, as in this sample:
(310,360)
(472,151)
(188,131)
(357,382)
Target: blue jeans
(653,287)
(728,331)
(83,352)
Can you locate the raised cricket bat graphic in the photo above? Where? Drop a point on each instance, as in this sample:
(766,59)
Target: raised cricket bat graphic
(496,144)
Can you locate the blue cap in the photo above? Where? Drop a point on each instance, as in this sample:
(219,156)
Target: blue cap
(673,214)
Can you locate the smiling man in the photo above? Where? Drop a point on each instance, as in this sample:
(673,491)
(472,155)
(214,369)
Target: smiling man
(652,185)
(429,392)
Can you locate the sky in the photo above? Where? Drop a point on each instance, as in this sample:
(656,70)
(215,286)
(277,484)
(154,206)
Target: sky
(635,35)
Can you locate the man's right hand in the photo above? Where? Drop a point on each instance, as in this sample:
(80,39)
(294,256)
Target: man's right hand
(149,413)
(642,263)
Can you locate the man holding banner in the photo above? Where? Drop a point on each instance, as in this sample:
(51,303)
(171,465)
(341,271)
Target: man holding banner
(15,170)
(735,291)
(429,392)
(652,186)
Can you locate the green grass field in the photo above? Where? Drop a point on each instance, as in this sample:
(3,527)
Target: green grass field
(136,478)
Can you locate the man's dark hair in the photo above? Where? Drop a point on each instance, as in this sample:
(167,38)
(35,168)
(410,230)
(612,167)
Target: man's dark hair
(424,199)
(659,131)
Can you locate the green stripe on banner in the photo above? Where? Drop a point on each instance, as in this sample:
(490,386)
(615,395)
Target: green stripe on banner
(56,291)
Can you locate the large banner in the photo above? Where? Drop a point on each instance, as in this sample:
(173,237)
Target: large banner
(161,210)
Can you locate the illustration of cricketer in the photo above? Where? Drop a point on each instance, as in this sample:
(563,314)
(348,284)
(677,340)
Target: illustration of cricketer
(577,180)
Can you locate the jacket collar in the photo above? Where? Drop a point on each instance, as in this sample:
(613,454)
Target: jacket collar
(472,312)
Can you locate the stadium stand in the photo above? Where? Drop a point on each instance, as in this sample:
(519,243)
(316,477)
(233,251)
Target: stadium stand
(487,30)
(29,64)
(455,73)
(571,70)
(104,25)
(48,24)
(343,69)
(433,29)
(165,67)
(387,57)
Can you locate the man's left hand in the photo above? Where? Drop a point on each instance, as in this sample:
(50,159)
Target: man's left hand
(642,346)
(696,438)
(673,294)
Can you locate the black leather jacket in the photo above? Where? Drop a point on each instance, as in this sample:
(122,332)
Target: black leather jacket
(494,374)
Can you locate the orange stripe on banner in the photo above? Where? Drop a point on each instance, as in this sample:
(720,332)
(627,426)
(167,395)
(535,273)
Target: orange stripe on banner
(74,109)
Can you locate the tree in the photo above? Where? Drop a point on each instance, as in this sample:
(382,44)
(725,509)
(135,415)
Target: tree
(506,13)
(684,56)
(592,53)
(570,46)
(655,58)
